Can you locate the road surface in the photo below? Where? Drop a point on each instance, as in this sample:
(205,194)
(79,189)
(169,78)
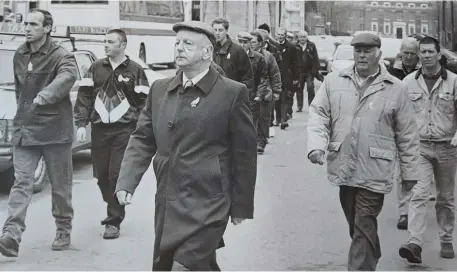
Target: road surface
(298,222)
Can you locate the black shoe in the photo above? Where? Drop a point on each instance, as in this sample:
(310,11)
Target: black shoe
(61,242)
(9,247)
(260,150)
(447,251)
(111,232)
(411,252)
(402,222)
(284,125)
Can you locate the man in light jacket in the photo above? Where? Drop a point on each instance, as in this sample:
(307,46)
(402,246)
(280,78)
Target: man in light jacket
(362,115)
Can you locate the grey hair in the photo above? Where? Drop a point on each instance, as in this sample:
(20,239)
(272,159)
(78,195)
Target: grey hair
(302,33)
(409,41)
(282,29)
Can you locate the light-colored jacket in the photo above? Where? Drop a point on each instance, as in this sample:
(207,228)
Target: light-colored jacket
(363,138)
(436,110)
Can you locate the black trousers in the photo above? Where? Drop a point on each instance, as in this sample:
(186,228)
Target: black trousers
(309,80)
(361,208)
(168,264)
(261,115)
(109,142)
(283,105)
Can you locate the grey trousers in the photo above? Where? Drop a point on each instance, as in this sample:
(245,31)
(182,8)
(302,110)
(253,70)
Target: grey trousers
(361,208)
(437,160)
(403,196)
(59,164)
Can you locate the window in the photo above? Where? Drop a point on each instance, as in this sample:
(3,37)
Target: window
(293,5)
(412,29)
(387,28)
(411,5)
(374,26)
(387,4)
(84,62)
(424,6)
(399,5)
(424,28)
(374,4)
(79,2)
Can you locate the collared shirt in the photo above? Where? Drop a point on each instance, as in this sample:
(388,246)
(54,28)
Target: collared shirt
(303,46)
(360,80)
(196,78)
(114,64)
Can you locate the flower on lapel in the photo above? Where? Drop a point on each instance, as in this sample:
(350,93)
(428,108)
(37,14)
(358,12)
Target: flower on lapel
(228,56)
(30,67)
(194,103)
(120,78)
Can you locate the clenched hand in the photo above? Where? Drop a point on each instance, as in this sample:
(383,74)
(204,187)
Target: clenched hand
(81,135)
(237,221)
(317,156)
(124,197)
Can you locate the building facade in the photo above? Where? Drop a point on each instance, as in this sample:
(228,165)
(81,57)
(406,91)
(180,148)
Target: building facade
(447,23)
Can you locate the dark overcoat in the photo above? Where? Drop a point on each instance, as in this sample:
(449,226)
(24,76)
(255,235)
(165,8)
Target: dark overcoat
(204,142)
(50,72)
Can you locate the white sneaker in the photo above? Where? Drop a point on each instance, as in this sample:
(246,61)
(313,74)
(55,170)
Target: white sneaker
(272,132)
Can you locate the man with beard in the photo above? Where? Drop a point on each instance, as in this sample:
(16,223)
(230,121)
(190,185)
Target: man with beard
(231,57)
(199,127)
(433,92)
(110,97)
(261,88)
(405,65)
(290,73)
(363,116)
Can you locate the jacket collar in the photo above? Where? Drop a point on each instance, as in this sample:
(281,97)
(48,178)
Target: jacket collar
(126,62)
(205,84)
(44,49)
(226,47)
(398,64)
(443,73)
(384,75)
(251,54)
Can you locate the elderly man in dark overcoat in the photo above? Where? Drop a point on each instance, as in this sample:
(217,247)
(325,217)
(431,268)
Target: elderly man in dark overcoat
(199,127)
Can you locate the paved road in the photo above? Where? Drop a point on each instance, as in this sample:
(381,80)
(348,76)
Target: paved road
(298,223)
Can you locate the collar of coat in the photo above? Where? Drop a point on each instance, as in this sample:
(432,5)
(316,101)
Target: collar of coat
(443,73)
(384,75)
(226,47)
(205,84)
(398,64)
(44,49)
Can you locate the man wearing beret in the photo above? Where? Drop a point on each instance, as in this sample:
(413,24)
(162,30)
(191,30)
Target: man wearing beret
(199,127)
(363,116)
(260,90)
(231,57)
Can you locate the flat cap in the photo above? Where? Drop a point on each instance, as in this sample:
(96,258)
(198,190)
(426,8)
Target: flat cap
(243,35)
(196,26)
(290,34)
(366,39)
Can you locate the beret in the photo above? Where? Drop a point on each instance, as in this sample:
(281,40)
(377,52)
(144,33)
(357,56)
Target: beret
(243,35)
(366,39)
(198,27)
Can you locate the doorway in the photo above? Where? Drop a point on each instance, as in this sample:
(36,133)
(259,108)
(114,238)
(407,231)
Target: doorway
(399,33)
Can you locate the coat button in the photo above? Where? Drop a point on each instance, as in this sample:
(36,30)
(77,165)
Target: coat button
(170,124)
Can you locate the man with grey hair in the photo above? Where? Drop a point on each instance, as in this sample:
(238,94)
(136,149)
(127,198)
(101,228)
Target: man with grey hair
(363,116)
(199,127)
(407,63)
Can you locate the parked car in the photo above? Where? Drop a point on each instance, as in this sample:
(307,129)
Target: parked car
(85,52)
(326,46)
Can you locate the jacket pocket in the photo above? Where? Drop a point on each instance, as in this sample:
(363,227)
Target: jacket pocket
(416,99)
(446,103)
(46,110)
(333,163)
(381,164)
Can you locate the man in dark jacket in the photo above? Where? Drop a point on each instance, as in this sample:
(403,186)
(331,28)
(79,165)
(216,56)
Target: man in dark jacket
(259,106)
(44,73)
(231,57)
(199,127)
(309,68)
(407,63)
(110,98)
(290,74)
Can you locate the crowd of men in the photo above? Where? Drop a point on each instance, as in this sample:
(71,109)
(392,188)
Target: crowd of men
(205,126)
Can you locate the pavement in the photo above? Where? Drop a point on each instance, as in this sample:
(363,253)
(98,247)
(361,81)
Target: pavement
(298,223)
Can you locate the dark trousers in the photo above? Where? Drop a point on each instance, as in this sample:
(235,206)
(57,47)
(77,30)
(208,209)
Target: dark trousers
(169,264)
(261,117)
(283,105)
(109,142)
(361,208)
(309,80)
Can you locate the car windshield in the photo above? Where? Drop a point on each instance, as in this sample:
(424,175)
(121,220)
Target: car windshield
(7,74)
(345,53)
(325,46)
(390,49)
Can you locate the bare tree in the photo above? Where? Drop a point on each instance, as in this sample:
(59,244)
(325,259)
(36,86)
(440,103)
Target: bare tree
(336,12)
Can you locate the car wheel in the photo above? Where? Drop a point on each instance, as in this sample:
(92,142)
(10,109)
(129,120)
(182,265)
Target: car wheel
(41,176)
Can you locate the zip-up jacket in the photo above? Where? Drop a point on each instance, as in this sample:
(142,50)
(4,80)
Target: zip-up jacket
(111,96)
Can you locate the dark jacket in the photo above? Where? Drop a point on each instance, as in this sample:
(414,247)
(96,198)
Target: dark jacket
(232,58)
(290,66)
(121,93)
(50,72)
(275,52)
(261,84)
(309,60)
(398,71)
(205,165)
(274,76)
